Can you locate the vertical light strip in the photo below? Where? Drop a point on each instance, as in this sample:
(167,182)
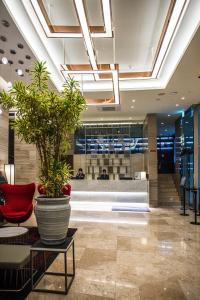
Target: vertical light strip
(107,17)
(116,85)
(170,33)
(86,35)
(112,66)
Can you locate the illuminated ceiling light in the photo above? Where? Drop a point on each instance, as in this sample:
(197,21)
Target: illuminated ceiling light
(4,60)
(162,123)
(116,86)
(133,100)
(86,34)
(19,72)
(177,104)
(132,106)
(169,115)
(175,20)
(107,17)
(9,84)
(112,66)
(182,98)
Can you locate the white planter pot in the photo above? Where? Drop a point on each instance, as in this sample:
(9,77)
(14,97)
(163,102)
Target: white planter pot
(52,216)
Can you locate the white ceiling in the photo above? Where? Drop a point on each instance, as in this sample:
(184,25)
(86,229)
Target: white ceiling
(184,81)
(136,26)
(13,38)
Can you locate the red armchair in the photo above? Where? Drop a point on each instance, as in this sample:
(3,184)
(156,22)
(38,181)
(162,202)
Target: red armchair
(18,202)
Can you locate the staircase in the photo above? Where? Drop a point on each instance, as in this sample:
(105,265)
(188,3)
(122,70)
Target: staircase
(167,192)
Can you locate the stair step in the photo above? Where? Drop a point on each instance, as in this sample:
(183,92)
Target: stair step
(165,180)
(168,195)
(169,204)
(170,199)
(167,191)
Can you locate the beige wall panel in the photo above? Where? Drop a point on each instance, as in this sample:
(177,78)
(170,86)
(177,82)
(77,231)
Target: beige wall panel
(26,162)
(3,140)
(137,163)
(150,157)
(79,162)
(196,146)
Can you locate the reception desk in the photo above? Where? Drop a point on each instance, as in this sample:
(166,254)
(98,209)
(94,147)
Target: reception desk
(109,194)
(110,185)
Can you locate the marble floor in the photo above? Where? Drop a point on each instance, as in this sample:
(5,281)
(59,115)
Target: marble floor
(131,256)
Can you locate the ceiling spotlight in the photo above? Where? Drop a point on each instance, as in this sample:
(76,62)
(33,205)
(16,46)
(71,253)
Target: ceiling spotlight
(1,111)
(177,104)
(133,100)
(5,23)
(182,98)
(162,123)
(132,106)
(9,84)
(4,60)
(169,115)
(19,72)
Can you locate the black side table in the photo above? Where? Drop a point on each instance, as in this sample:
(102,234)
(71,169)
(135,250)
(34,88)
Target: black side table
(63,248)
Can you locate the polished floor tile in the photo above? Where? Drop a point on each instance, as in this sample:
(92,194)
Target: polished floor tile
(131,256)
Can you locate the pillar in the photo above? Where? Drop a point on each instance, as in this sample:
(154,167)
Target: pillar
(26,162)
(3,139)
(150,131)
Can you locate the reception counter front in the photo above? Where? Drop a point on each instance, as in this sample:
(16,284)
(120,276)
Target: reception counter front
(109,194)
(110,185)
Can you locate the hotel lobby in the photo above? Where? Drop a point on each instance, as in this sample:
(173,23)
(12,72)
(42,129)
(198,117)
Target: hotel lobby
(99,149)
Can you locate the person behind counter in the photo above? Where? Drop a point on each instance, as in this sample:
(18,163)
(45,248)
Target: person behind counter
(80,174)
(104,175)
(2,178)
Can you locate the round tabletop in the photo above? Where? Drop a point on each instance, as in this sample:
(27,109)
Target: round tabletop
(6,232)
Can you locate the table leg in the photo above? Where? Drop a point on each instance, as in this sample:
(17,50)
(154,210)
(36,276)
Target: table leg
(65,265)
(31,263)
(73,254)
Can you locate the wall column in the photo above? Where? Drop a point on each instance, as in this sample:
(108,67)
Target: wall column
(150,132)
(196,145)
(26,162)
(3,139)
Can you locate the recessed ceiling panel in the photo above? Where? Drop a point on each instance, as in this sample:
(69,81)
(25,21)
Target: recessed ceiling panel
(75,52)
(94,12)
(60,12)
(137,28)
(104,50)
(103,98)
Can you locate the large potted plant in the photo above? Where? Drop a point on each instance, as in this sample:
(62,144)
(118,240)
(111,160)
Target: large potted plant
(47,118)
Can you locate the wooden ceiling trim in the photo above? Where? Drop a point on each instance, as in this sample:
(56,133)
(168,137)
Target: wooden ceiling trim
(66,29)
(166,23)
